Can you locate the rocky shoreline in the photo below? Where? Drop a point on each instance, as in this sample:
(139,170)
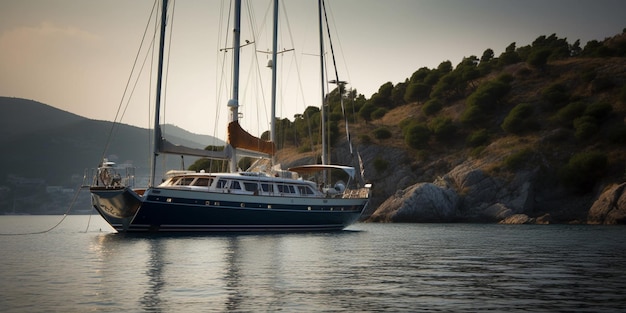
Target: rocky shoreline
(469,194)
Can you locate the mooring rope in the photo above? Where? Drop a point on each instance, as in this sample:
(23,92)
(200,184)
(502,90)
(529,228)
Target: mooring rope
(67,212)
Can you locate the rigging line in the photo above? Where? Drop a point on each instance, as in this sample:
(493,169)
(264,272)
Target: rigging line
(221,82)
(132,92)
(338,41)
(115,124)
(219,73)
(339,83)
(346,69)
(151,159)
(255,34)
(256,57)
(306,113)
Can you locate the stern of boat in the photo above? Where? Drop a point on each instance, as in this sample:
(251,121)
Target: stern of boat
(112,194)
(115,202)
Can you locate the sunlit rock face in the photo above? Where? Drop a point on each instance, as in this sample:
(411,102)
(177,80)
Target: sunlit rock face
(610,207)
(464,194)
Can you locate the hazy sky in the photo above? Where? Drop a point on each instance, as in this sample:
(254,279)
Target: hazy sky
(77,55)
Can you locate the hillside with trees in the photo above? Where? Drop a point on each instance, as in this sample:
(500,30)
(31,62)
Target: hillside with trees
(551,108)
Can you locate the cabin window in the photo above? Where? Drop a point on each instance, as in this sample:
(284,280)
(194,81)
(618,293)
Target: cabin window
(222,184)
(267,187)
(235,185)
(185,181)
(204,182)
(250,186)
(305,190)
(286,189)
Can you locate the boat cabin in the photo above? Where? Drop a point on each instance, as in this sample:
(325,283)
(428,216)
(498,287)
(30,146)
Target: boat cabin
(246,183)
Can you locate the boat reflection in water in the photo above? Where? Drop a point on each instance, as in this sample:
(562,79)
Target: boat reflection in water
(222,272)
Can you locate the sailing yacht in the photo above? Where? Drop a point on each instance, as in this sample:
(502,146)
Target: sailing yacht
(249,201)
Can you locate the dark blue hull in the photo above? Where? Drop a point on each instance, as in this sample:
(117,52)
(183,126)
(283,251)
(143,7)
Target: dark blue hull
(162,210)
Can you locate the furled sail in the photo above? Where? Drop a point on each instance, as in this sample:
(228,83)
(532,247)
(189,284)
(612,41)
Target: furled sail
(241,139)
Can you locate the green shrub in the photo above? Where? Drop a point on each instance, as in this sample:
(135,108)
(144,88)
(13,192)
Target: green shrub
(488,94)
(477,138)
(484,100)
(365,139)
(568,113)
(417,92)
(473,116)
(432,106)
(405,123)
(583,170)
(506,78)
(599,110)
(516,121)
(381,133)
(366,111)
(556,94)
(416,135)
(380,165)
(443,128)
(379,113)
(539,57)
(585,127)
(518,159)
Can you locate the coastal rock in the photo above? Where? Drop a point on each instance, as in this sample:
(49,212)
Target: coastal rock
(466,193)
(423,202)
(496,212)
(518,219)
(610,207)
(489,199)
(525,219)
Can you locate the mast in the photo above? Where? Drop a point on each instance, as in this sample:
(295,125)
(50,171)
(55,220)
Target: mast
(324,160)
(274,48)
(233,103)
(157,106)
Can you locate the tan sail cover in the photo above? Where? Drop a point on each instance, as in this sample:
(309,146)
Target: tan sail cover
(241,139)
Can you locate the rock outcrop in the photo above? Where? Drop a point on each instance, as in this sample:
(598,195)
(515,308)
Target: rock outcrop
(424,202)
(469,194)
(466,193)
(610,207)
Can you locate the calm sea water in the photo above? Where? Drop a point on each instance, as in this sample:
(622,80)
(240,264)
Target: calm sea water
(83,266)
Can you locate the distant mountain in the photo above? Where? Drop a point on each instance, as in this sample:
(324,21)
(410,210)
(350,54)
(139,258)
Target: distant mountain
(21,116)
(40,141)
